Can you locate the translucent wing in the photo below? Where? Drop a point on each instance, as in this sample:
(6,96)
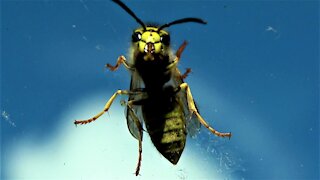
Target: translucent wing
(135,84)
(192,123)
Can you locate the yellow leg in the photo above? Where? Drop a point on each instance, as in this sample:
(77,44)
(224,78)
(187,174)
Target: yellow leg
(121,60)
(106,108)
(193,110)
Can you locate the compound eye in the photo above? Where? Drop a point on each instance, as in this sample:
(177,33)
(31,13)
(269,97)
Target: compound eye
(165,39)
(136,36)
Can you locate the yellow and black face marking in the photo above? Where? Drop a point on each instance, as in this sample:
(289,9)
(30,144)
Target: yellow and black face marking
(158,95)
(150,41)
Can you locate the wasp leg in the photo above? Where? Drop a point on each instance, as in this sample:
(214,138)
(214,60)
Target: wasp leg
(180,50)
(193,110)
(178,55)
(121,60)
(139,125)
(140,156)
(106,107)
(185,74)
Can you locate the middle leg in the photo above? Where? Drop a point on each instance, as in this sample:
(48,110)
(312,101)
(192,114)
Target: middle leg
(139,127)
(186,73)
(106,107)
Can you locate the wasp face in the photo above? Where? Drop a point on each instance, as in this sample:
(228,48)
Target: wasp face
(150,41)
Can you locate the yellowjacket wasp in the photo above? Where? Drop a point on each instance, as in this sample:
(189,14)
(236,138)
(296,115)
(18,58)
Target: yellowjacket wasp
(158,96)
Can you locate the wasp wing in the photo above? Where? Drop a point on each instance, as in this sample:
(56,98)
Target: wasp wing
(136,84)
(192,123)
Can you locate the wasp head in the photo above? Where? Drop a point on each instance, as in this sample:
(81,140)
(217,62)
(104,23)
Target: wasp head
(151,41)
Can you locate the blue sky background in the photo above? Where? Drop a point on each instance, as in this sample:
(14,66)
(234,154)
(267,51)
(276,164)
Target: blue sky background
(255,73)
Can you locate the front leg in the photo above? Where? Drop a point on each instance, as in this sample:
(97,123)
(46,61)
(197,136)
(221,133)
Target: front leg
(121,60)
(178,55)
(180,50)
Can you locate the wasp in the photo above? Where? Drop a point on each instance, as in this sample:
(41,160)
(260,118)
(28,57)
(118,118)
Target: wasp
(158,95)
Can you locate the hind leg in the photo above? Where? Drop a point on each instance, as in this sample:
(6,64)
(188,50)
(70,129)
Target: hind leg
(193,110)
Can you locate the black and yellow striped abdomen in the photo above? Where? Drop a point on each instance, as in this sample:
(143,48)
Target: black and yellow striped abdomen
(166,126)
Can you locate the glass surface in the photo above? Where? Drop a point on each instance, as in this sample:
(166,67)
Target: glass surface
(255,72)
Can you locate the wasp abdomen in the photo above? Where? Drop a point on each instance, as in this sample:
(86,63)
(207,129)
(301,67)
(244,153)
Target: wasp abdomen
(168,132)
